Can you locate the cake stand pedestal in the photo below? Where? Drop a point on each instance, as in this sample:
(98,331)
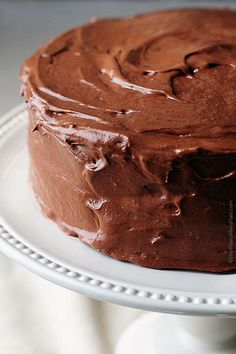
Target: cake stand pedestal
(26,236)
(168,334)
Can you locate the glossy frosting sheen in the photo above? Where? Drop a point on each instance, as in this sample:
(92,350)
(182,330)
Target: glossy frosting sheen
(132,136)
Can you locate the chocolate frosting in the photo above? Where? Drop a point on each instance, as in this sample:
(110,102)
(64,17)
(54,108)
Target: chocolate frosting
(144,109)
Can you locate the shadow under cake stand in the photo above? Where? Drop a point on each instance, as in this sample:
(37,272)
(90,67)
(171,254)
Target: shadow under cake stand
(191,312)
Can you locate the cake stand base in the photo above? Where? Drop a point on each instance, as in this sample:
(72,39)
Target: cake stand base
(168,334)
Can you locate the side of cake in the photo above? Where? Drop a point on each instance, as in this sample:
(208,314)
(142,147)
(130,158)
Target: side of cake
(132,136)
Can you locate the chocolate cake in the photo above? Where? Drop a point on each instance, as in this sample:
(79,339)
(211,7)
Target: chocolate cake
(132,136)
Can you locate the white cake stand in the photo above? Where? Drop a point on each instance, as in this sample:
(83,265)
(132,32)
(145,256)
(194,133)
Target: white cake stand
(37,243)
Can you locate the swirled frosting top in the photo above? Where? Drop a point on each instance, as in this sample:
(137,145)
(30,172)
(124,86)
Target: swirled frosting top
(171,72)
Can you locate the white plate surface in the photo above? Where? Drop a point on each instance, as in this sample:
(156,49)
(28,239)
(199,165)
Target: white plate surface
(38,244)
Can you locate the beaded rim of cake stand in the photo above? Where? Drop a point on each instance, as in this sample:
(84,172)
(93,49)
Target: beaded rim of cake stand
(14,119)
